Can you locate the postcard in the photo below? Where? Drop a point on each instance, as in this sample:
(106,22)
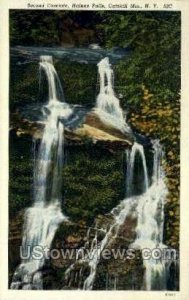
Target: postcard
(94,143)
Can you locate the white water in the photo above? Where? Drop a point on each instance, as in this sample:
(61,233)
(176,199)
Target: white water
(119,214)
(150,212)
(42,220)
(54,84)
(92,258)
(131,156)
(107,104)
(148,208)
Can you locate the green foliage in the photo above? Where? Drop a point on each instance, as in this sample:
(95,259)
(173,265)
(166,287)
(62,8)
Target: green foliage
(93,183)
(78,81)
(24,84)
(46,27)
(154,40)
(92,180)
(20,175)
(31,28)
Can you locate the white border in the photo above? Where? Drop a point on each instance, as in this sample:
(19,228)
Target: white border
(6,294)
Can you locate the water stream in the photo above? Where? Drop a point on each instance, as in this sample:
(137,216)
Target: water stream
(150,217)
(107,104)
(42,220)
(118,214)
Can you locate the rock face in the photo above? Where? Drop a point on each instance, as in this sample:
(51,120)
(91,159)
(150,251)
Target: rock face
(73,236)
(72,34)
(15,241)
(91,129)
(111,272)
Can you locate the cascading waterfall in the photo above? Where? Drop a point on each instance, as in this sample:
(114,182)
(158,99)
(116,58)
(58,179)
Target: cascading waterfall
(119,214)
(54,84)
(150,211)
(107,104)
(131,156)
(42,220)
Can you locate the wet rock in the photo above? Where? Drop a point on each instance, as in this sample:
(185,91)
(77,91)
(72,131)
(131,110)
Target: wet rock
(92,130)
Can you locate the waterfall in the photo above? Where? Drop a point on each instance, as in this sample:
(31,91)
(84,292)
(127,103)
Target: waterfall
(54,84)
(42,220)
(92,258)
(130,157)
(119,214)
(150,212)
(107,104)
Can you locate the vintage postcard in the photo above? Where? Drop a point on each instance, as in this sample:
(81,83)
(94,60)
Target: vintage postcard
(94,145)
